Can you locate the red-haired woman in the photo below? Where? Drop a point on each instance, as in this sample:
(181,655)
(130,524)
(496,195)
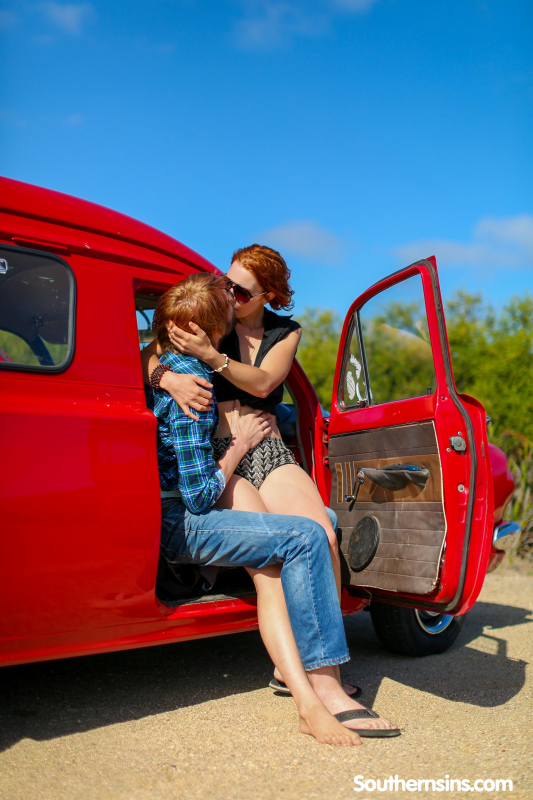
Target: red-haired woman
(256,358)
(253,362)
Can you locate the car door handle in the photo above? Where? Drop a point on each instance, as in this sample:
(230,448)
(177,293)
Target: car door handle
(397,476)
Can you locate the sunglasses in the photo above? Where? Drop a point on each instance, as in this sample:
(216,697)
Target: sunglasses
(241,294)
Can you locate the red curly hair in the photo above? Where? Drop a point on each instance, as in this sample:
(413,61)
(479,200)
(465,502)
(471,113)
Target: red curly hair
(270,270)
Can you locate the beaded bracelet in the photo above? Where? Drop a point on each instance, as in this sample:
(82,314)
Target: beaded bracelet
(156,375)
(225,364)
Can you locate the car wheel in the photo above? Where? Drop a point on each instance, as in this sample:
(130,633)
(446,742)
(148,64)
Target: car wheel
(413,632)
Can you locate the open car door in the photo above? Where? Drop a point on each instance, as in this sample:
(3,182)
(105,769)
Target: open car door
(411,477)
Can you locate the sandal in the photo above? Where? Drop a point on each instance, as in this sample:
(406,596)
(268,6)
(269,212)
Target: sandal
(359,713)
(282,688)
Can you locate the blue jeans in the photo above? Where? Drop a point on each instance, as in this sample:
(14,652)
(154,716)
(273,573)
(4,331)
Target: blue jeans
(248,539)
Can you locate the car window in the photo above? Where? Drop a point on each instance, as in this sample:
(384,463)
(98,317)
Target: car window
(145,303)
(36,311)
(353,389)
(396,342)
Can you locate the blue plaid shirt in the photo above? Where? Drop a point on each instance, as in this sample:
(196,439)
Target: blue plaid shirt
(184,451)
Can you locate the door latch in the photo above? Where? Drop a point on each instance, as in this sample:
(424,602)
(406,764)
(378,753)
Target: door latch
(359,480)
(458,444)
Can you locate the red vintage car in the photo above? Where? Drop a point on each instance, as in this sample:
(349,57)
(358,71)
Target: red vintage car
(403,458)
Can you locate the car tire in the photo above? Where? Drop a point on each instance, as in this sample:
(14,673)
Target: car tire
(411,632)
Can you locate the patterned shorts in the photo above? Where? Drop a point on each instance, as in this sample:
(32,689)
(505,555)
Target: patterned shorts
(260,461)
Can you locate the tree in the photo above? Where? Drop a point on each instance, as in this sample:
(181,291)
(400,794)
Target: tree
(321,333)
(492,357)
(398,353)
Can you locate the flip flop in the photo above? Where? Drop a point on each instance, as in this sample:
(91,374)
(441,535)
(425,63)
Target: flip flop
(370,733)
(282,688)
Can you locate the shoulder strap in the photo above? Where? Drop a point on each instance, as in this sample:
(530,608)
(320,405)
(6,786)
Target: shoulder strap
(276,328)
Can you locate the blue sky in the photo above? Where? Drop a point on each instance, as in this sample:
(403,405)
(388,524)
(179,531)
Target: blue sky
(353,135)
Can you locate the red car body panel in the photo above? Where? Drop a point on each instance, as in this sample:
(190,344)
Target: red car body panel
(63,223)
(80,490)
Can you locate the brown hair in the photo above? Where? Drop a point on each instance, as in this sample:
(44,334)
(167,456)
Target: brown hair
(270,271)
(201,298)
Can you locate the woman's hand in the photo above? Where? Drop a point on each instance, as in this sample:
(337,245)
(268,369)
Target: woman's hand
(197,343)
(189,391)
(250,429)
(247,431)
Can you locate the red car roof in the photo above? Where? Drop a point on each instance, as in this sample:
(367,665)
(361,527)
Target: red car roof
(36,202)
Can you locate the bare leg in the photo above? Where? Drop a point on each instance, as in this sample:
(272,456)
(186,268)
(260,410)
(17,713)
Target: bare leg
(290,490)
(277,635)
(240,495)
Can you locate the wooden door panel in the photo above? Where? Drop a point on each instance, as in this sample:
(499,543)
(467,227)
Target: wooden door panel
(412,524)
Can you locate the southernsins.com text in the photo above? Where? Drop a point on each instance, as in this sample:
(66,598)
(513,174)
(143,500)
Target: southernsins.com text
(446,784)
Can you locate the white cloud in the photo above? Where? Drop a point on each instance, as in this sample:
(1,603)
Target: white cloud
(504,242)
(274,23)
(307,240)
(517,231)
(68,17)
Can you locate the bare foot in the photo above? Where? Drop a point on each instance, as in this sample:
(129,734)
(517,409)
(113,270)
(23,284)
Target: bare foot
(349,690)
(335,700)
(318,722)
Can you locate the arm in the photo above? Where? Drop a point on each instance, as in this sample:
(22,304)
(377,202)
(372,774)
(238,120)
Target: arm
(259,381)
(246,432)
(188,391)
(150,360)
(202,480)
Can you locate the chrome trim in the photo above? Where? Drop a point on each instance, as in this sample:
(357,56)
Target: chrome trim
(506,536)
(433,622)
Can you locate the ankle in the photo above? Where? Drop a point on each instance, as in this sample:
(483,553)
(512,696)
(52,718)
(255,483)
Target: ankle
(326,687)
(309,708)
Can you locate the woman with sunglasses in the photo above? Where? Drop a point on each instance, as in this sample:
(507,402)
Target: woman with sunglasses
(249,369)
(253,362)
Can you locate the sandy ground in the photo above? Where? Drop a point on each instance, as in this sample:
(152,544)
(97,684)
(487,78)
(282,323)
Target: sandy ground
(194,720)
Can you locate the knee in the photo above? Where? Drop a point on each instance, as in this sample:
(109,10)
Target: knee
(316,535)
(332,517)
(324,533)
(332,541)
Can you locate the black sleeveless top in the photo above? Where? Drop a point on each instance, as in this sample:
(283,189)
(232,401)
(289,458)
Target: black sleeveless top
(276,329)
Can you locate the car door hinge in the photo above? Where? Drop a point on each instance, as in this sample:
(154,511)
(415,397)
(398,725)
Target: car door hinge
(325,461)
(458,444)
(325,439)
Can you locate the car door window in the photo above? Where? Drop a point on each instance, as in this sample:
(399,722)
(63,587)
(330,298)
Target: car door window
(36,311)
(145,316)
(146,299)
(354,392)
(392,330)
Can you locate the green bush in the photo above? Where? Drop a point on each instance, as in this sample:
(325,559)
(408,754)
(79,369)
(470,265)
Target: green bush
(492,356)
(321,333)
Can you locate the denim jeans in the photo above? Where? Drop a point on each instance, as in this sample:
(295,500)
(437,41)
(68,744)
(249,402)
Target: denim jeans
(248,539)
